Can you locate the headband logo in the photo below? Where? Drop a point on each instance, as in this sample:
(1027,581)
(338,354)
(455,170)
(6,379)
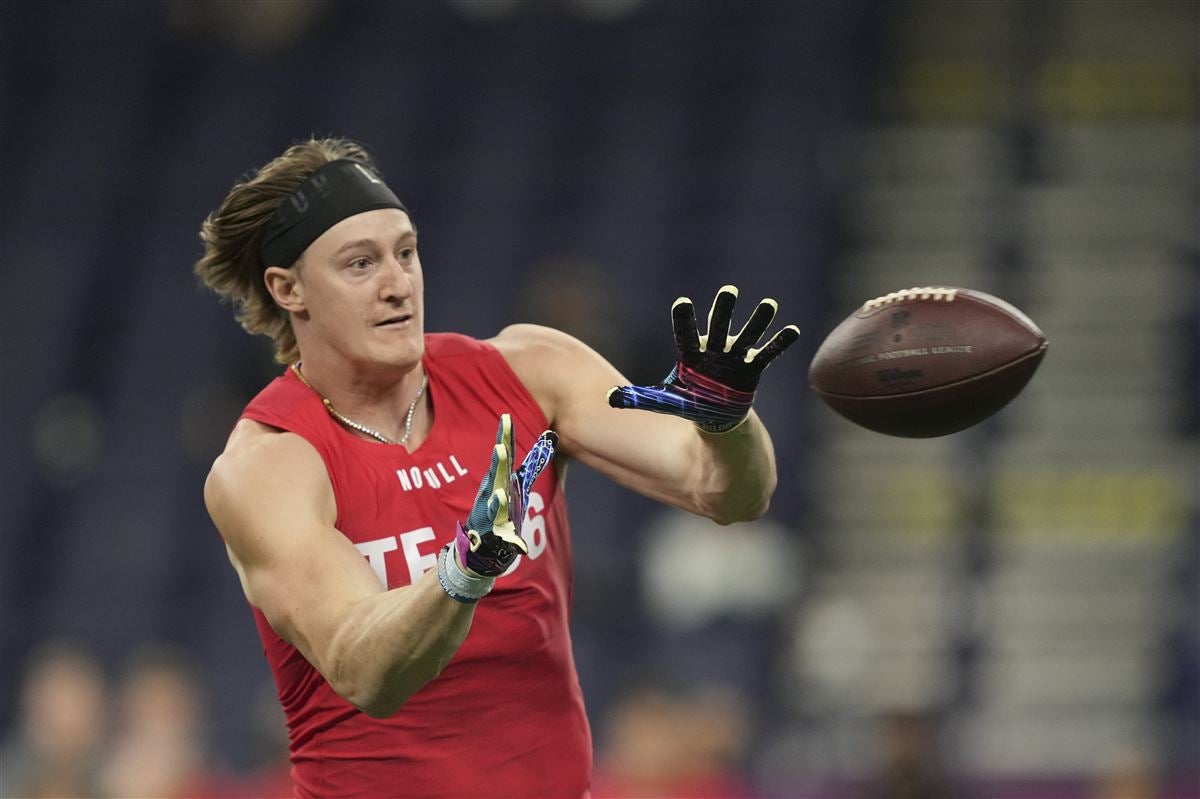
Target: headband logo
(329,195)
(321,184)
(367,174)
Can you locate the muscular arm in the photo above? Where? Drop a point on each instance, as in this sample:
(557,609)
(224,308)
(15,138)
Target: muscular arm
(727,477)
(270,497)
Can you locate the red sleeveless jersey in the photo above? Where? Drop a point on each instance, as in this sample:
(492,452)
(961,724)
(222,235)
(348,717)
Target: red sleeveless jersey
(506,717)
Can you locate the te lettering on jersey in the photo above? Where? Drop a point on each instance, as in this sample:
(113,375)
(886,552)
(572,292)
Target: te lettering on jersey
(420,550)
(435,476)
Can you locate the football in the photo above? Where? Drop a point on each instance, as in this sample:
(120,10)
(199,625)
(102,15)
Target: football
(926,362)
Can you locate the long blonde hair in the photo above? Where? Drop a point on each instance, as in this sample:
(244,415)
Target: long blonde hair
(232,266)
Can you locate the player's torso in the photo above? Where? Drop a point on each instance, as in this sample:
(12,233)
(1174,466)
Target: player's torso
(400,508)
(514,672)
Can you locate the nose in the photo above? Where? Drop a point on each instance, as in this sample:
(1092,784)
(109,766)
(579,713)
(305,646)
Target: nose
(396,284)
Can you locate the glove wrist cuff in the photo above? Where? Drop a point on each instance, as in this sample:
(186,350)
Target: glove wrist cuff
(724,407)
(483,561)
(721,429)
(457,583)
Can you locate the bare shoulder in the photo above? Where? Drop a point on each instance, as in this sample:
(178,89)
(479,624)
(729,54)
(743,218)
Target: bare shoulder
(262,467)
(533,342)
(256,450)
(562,373)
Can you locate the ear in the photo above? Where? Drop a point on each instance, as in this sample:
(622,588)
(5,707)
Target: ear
(285,287)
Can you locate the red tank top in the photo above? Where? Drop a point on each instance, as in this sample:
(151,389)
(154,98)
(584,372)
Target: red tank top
(506,717)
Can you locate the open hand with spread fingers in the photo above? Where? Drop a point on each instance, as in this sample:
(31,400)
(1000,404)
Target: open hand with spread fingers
(714,381)
(490,540)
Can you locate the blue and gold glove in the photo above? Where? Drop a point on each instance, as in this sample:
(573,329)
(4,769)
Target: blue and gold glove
(521,483)
(490,540)
(714,382)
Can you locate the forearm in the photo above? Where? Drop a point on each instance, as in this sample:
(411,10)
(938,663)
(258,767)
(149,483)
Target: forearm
(389,644)
(735,475)
(727,465)
(394,642)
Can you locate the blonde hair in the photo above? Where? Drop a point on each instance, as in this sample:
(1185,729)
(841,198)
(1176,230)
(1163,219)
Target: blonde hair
(232,266)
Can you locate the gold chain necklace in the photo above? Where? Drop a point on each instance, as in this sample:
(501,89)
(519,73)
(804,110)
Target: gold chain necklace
(362,428)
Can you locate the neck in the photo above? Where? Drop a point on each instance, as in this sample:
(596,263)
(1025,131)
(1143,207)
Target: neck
(379,401)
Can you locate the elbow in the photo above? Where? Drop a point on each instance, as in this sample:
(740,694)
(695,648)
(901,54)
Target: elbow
(363,687)
(746,514)
(727,513)
(758,510)
(370,698)
(363,693)
(376,677)
(381,692)
(369,707)
(376,709)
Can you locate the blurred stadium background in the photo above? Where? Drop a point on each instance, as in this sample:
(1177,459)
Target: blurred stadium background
(1009,612)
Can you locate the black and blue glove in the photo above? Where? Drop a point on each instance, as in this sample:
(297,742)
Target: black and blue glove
(713,383)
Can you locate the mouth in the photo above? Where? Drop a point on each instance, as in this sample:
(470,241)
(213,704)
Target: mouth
(395,321)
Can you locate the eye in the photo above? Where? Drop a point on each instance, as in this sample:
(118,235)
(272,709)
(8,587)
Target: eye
(406,253)
(360,263)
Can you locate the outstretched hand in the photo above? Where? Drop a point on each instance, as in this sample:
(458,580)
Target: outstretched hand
(491,539)
(714,381)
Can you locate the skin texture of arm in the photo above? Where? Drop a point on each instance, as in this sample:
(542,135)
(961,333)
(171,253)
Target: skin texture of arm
(727,477)
(270,497)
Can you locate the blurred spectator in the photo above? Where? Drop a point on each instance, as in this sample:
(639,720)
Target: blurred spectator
(54,750)
(158,749)
(269,776)
(250,25)
(910,767)
(715,724)
(744,571)
(665,745)
(1130,774)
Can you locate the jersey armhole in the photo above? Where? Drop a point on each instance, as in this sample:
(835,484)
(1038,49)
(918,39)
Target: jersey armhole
(272,422)
(494,351)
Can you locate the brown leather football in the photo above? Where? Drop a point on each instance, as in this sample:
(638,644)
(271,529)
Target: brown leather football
(926,362)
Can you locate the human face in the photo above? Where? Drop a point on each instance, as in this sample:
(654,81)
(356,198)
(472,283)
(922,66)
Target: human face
(362,292)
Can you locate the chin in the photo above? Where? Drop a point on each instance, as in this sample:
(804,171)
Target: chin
(405,353)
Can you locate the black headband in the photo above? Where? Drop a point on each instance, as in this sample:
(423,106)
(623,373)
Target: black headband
(337,190)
